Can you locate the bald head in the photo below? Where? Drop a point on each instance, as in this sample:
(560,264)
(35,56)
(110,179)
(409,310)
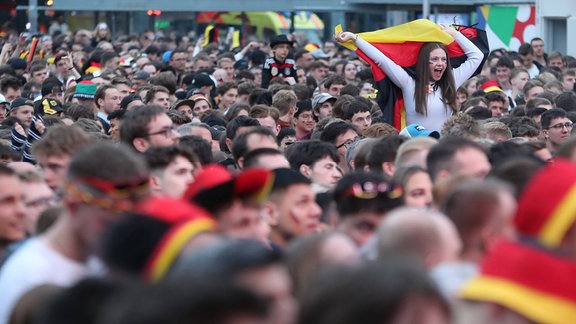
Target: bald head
(428,236)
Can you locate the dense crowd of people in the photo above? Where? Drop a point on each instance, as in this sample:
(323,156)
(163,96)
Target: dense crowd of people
(158,178)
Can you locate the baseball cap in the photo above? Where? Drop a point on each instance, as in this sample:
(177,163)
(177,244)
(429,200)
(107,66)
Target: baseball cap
(19,102)
(202,80)
(51,106)
(3,100)
(319,54)
(141,75)
(416,130)
(184,102)
(322,98)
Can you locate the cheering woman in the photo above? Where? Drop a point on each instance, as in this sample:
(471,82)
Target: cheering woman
(430,97)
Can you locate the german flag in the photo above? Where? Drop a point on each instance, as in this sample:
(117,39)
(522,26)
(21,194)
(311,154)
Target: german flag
(401,44)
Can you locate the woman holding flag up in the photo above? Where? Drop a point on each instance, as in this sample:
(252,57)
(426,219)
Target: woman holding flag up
(429,95)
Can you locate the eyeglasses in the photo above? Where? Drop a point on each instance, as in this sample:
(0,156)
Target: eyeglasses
(40,202)
(347,143)
(306,117)
(559,126)
(168,132)
(371,190)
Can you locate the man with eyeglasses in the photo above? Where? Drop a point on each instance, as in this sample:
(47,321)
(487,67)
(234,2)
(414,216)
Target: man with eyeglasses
(342,135)
(148,126)
(556,128)
(178,59)
(37,198)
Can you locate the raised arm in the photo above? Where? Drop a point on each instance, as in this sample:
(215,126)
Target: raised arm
(474,56)
(395,72)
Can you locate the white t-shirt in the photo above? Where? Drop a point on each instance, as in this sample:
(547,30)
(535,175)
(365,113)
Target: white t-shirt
(34,264)
(451,277)
(533,71)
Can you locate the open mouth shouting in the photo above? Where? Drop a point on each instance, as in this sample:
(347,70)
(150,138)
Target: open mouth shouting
(437,72)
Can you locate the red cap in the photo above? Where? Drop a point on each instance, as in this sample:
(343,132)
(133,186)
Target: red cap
(491,85)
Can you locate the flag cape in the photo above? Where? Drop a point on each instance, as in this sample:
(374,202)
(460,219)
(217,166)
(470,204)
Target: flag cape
(401,44)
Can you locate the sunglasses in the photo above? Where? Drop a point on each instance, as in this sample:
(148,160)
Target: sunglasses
(371,190)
